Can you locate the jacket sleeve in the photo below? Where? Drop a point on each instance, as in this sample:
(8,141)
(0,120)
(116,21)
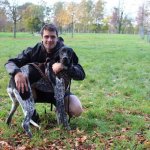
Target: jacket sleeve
(75,71)
(13,64)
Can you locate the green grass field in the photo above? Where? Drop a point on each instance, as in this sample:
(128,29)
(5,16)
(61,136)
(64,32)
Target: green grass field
(115,96)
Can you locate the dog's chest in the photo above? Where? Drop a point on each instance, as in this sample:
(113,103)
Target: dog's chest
(43,85)
(66,78)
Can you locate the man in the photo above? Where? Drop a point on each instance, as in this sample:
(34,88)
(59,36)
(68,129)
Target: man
(48,48)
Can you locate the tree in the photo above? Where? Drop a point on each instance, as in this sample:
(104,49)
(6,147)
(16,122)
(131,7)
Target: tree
(114,20)
(46,11)
(118,17)
(72,19)
(58,12)
(105,24)
(98,12)
(34,24)
(97,15)
(33,17)
(84,15)
(141,20)
(63,14)
(3,20)
(127,26)
(12,11)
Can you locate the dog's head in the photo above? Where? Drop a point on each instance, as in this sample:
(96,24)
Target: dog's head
(65,55)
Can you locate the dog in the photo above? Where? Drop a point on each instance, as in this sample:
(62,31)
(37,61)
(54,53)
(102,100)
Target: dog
(43,76)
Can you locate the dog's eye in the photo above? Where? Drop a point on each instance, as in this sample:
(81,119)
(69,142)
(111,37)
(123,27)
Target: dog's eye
(61,53)
(63,50)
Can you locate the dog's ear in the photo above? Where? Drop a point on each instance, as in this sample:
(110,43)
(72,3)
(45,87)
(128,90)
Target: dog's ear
(69,52)
(75,58)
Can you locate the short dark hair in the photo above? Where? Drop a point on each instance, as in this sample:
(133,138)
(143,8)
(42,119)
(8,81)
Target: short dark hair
(49,27)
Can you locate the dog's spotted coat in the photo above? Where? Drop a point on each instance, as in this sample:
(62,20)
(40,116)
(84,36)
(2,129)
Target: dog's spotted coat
(28,107)
(59,91)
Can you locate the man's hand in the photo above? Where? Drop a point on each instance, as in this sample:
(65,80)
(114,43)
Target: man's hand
(21,82)
(57,67)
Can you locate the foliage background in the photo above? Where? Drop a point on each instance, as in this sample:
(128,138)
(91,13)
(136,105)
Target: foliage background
(84,16)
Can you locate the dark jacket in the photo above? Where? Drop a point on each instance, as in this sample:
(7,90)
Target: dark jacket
(38,54)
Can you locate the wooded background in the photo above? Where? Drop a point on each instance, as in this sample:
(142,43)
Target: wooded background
(85,16)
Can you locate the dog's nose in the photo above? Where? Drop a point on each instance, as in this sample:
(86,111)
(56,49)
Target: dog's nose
(65,61)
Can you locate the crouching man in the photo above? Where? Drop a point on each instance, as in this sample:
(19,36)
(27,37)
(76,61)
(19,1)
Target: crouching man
(47,48)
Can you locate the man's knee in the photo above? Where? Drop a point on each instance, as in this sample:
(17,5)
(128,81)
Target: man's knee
(74,106)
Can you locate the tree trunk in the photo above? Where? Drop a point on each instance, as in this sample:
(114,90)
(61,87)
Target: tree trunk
(141,32)
(15,23)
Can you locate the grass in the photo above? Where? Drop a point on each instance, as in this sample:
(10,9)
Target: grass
(115,95)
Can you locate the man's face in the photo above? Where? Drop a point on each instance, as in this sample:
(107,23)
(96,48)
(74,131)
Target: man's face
(49,39)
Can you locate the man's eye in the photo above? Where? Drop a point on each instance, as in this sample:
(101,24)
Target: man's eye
(52,37)
(46,36)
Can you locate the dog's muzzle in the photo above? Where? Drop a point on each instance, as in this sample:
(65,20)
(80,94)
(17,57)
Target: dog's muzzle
(65,61)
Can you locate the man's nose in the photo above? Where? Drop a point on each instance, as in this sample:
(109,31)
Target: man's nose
(49,39)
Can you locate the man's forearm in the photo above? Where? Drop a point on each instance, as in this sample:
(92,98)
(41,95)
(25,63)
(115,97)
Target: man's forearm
(12,68)
(76,72)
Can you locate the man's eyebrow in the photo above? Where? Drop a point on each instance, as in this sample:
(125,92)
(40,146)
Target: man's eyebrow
(51,36)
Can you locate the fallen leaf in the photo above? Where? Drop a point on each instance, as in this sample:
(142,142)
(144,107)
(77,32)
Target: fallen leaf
(125,129)
(22,148)
(79,131)
(5,146)
(147,144)
(82,139)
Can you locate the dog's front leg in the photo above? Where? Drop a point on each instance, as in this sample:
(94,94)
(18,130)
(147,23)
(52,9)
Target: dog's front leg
(28,110)
(15,105)
(59,91)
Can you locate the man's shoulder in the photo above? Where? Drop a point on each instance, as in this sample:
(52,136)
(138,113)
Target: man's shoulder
(36,47)
(39,45)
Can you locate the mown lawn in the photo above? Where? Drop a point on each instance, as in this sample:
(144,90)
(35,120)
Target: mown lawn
(115,96)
